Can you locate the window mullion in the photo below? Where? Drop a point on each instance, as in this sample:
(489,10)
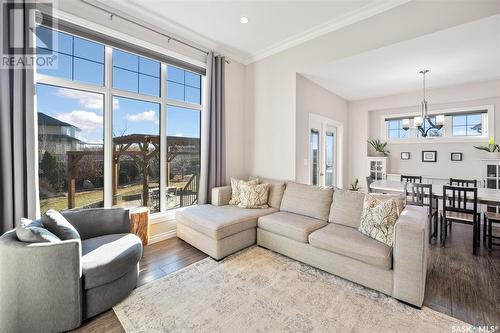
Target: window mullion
(163,139)
(108,129)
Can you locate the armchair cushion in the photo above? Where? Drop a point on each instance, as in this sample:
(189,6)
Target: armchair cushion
(109,257)
(34,232)
(99,221)
(57,224)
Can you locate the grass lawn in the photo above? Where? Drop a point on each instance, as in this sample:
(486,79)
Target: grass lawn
(89,197)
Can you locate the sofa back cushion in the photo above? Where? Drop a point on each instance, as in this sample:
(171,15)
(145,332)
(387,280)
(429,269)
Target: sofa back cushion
(94,222)
(308,200)
(346,208)
(276,190)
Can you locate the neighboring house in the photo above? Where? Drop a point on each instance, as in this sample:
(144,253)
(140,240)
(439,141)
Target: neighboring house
(56,137)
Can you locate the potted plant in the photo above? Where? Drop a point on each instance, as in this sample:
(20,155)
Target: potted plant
(492,150)
(379,147)
(355,186)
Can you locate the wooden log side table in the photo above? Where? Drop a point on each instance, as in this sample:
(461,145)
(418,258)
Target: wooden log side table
(139,223)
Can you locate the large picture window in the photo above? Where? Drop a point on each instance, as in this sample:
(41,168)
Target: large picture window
(147,98)
(183,156)
(70,148)
(136,153)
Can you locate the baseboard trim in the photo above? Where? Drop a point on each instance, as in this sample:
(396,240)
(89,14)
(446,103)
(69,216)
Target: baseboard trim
(162,236)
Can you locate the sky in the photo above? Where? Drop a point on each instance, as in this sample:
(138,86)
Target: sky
(82,60)
(85,111)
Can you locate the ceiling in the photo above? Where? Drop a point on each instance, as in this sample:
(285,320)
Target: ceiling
(465,53)
(273,25)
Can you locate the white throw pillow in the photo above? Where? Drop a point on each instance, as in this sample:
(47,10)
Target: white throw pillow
(379,218)
(253,196)
(235,189)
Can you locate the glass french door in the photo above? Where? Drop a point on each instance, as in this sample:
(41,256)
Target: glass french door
(322,155)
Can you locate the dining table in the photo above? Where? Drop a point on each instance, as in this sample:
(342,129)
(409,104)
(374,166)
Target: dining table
(485,196)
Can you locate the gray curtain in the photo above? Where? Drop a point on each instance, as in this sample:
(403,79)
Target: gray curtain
(15,92)
(213,141)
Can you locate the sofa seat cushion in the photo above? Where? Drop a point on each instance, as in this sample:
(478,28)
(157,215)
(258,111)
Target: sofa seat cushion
(218,222)
(351,243)
(294,226)
(107,258)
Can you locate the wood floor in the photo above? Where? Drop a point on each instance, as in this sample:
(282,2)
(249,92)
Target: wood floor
(458,284)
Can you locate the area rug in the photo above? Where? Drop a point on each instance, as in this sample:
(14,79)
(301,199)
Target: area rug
(257,290)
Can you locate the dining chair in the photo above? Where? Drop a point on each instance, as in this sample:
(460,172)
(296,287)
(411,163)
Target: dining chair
(411,179)
(369,181)
(457,210)
(463,182)
(489,219)
(421,195)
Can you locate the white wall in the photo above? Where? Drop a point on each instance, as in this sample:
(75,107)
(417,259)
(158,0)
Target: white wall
(270,117)
(312,98)
(271,82)
(365,121)
(235,120)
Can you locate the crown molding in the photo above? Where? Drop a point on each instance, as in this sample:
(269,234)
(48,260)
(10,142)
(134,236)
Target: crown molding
(162,24)
(352,17)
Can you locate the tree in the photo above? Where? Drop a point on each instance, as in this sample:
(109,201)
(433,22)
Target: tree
(49,168)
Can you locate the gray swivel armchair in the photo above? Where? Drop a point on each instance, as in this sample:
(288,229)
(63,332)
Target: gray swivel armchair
(53,287)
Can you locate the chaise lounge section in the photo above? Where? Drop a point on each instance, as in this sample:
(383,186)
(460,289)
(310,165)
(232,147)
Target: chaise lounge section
(221,229)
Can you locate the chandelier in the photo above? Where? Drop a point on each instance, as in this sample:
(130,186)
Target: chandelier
(420,122)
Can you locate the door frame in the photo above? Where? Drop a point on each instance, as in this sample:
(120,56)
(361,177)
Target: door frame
(313,122)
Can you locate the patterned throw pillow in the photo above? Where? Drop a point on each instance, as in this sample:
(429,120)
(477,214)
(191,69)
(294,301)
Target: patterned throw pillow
(235,189)
(378,219)
(253,196)
(398,198)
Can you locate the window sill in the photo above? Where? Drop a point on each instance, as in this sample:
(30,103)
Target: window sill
(164,216)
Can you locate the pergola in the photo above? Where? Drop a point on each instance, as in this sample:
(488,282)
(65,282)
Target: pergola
(142,149)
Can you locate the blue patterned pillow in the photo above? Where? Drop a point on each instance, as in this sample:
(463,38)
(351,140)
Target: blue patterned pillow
(34,232)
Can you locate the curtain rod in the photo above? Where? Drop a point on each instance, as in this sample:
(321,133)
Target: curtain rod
(112,14)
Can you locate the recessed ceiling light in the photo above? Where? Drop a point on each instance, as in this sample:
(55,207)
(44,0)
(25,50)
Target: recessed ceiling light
(243,20)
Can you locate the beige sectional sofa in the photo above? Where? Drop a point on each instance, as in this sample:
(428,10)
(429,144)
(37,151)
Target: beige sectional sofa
(317,226)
